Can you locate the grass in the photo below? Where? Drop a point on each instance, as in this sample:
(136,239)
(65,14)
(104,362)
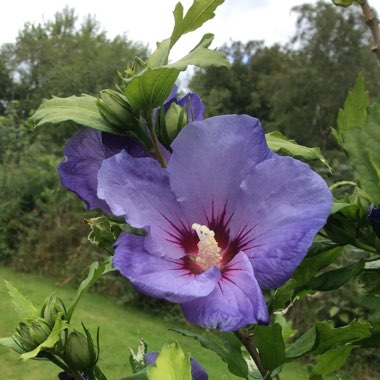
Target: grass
(120,327)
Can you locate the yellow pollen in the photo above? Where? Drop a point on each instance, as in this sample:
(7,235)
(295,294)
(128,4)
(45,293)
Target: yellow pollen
(209,254)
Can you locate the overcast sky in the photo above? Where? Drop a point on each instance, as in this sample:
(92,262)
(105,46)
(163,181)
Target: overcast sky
(152,20)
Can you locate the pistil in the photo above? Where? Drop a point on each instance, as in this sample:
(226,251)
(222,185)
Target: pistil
(209,253)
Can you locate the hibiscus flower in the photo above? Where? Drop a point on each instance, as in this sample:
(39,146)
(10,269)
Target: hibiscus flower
(226,219)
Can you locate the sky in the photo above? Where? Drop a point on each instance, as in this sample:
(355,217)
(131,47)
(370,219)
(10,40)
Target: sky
(151,20)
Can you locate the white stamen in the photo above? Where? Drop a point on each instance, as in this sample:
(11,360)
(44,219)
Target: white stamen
(209,253)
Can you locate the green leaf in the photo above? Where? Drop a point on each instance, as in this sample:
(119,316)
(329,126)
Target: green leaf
(96,271)
(201,56)
(235,361)
(282,145)
(200,12)
(59,326)
(332,360)
(329,337)
(343,3)
(10,343)
(271,345)
(336,278)
(364,156)
(23,307)
(286,325)
(80,109)
(151,87)
(303,345)
(337,206)
(311,265)
(104,231)
(354,112)
(171,364)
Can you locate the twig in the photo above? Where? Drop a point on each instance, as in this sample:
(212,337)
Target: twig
(249,344)
(373,25)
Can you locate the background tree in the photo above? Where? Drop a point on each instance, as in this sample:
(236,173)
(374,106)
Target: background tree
(59,58)
(298,88)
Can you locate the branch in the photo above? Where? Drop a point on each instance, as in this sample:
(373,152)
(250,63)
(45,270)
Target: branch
(373,24)
(249,344)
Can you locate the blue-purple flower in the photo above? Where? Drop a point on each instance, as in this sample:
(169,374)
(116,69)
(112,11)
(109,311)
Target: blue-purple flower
(374,218)
(197,371)
(87,149)
(227,218)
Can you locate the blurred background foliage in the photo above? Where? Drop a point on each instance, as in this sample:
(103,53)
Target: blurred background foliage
(295,88)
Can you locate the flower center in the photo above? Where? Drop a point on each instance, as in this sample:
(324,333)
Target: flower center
(209,253)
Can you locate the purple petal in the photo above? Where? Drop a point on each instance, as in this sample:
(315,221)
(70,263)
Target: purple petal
(197,371)
(139,189)
(236,301)
(282,205)
(195,108)
(160,277)
(85,152)
(210,159)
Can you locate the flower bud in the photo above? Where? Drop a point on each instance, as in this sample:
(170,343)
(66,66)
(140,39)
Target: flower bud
(30,335)
(51,308)
(79,352)
(175,119)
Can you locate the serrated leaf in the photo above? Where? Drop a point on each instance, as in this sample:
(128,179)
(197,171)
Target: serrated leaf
(199,12)
(236,364)
(354,112)
(361,146)
(95,272)
(55,335)
(271,345)
(151,87)
(336,278)
(79,109)
(201,56)
(332,360)
(329,337)
(171,364)
(23,307)
(279,143)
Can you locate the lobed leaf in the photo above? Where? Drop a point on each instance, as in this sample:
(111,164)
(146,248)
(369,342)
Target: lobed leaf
(329,337)
(199,12)
(201,56)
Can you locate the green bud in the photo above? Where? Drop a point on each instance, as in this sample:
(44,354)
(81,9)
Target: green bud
(30,335)
(79,352)
(175,120)
(53,305)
